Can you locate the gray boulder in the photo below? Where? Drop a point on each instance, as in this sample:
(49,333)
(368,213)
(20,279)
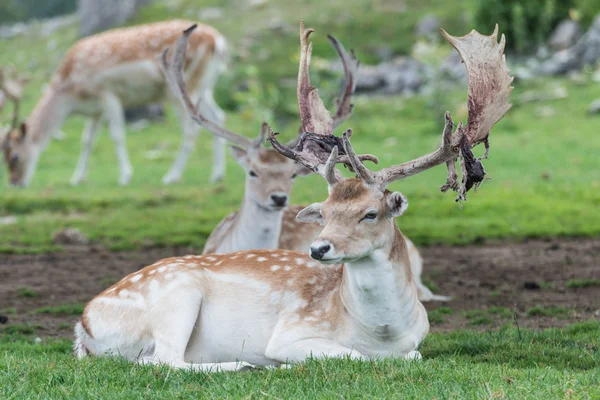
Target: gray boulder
(565,35)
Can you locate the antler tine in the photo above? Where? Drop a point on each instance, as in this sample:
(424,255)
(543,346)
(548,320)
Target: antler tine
(489,89)
(313,114)
(173,71)
(358,167)
(330,173)
(350,64)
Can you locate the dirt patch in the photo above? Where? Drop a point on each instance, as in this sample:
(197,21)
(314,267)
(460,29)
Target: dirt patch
(488,283)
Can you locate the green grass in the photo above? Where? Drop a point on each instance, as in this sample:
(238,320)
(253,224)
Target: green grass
(27,292)
(583,283)
(525,364)
(63,309)
(438,316)
(543,170)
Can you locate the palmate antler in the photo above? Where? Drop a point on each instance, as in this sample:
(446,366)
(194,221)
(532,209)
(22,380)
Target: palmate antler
(316,141)
(489,88)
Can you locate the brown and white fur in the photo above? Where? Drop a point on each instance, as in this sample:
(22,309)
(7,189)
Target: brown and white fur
(271,307)
(265,222)
(102,74)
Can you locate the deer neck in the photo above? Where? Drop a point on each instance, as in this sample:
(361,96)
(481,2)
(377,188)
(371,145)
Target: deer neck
(47,117)
(379,293)
(257,227)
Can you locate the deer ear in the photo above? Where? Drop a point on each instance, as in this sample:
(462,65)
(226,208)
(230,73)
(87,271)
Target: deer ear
(239,154)
(397,203)
(301,170)
(311,213)
(23,129)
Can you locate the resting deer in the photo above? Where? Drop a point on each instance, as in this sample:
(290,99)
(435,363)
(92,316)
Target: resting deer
(264,221)
(102,74)
(219,312)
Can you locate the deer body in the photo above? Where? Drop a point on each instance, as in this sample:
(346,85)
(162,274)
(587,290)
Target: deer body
(102,74)
(262,307)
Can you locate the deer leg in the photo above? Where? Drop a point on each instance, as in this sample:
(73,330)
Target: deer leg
(113,111)
(88,139)
(190,132)
(314,347)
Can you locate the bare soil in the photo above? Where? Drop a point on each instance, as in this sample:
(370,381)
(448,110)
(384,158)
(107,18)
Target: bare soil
(491,284)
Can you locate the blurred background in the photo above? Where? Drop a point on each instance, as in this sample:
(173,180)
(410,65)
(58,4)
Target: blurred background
(545,177)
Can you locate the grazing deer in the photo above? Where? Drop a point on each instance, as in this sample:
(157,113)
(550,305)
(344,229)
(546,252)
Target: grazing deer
(102,74)
(219,312)
(264,221)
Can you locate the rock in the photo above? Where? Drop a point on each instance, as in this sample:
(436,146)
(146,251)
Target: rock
(530,96)
(565,35)
(402,75)
(584,53)
(69,236)
(96,16)
(452,68)
(210,13)
(545,111)
(428,27)
(594,107)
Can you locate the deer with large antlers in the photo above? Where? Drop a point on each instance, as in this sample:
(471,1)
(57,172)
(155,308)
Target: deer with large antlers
(264,221)
(270,307)
(100,76)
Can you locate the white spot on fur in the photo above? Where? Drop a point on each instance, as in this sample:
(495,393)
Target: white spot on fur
(188,257)
(275,268)
(300,261)
(290,281)
(261,259)
(205,264)
(219,263)
(310,319)
(284,258)
(234,257)
(152,272)
(136,278)
(249,256)
(211,259)
(168,276)
(124,293)
(162,269)
(287,268)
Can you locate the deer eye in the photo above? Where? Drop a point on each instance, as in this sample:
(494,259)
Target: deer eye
(252,174)
(370,215)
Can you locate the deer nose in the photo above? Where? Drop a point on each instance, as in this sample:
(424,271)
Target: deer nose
(317,252)
(279,200)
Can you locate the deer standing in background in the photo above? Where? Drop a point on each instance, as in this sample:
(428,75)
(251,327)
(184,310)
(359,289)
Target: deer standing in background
(264,221)
(272,307)
(103,74)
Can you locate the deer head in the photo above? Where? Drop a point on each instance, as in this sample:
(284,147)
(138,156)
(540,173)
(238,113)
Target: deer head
(269,175)
(358,216)
(12,139)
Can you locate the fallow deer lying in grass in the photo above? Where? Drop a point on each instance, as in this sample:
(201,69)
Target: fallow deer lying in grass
(263,221)
(271,307)
(102,74)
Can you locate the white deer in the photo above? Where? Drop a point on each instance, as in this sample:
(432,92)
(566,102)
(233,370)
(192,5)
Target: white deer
(264,221)
(102,74)
(219,312)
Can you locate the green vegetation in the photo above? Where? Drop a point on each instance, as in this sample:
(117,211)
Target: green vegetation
(583,283)
(554,363)
(438,316)
(27,292)
(556,312)
(63,309)
(543,170)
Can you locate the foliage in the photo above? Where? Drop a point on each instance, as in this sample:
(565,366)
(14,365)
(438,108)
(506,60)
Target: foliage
(526,23)
(22,10)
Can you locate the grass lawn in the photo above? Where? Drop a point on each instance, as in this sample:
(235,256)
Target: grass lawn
(507,363)
(545,182)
